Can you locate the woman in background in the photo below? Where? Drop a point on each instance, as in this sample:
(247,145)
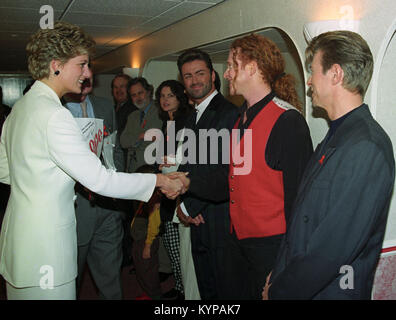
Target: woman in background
(173,110)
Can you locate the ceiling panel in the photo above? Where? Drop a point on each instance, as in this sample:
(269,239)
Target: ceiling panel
(19,15)
(186,9)
(146,8)
(112,23)
(34,4)
(104,20)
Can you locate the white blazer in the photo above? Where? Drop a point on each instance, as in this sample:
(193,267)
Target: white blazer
(42,154)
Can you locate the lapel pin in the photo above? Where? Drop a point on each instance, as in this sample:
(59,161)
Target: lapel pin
(322,159)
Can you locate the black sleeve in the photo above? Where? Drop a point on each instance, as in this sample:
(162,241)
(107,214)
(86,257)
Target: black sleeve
(194,206)
(289,148)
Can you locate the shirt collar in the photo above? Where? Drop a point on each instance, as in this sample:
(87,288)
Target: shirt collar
(200,108)
(254,109)
(334,124)
(75,108)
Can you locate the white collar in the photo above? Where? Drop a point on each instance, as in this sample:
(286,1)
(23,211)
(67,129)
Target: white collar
(200,108)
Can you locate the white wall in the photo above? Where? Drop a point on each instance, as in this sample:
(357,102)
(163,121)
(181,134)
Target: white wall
(158,71)
(386,116)
(102,85)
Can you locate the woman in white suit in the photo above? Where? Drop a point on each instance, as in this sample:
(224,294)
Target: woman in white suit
(42,155)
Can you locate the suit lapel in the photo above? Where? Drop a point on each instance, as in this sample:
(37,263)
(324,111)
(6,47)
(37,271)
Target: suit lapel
(209,114)
(204,122)
(318,161)
(324,151)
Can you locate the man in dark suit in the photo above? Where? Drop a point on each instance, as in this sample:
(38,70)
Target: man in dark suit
(209,220)
(123,108)
(335,235)
(138,122)
(99,223)
(123,103)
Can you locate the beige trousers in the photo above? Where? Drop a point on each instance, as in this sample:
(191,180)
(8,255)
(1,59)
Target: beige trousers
(191,291)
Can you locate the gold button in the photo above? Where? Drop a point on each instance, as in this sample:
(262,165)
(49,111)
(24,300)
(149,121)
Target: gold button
(232,201)
(232,177)
(232,189)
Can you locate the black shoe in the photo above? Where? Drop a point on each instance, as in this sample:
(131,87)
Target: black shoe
(164,276)
(180,296)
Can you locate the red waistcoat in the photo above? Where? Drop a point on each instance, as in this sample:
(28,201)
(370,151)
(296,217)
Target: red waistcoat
(256,197)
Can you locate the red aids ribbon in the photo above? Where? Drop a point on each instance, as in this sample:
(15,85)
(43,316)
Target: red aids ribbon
(322,159)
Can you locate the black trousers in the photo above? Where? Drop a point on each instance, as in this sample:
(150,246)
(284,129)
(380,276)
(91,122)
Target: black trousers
(252,260)
(208,247)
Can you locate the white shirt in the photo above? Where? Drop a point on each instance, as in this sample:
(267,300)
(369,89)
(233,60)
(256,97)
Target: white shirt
(200,108)
(76,111)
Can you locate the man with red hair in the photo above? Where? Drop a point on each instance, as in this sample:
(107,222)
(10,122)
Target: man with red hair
(261,200)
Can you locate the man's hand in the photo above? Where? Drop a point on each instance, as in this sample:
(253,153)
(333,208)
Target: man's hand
(197,220)
(182,217)
(264,294)
(187,220)
(169,187)
(182,176)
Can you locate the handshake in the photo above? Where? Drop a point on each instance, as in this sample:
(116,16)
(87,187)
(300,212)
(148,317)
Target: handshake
(173,184)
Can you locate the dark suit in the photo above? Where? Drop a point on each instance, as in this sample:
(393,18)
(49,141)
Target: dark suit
(207,240)
(122,114)
(339,215)
(134,127)
(99,223)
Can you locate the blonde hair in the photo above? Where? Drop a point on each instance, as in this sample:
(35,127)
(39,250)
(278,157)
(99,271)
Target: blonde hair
(350,51)
(63,42)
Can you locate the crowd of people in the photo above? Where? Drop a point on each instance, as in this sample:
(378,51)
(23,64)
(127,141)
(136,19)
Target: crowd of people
(276,221)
